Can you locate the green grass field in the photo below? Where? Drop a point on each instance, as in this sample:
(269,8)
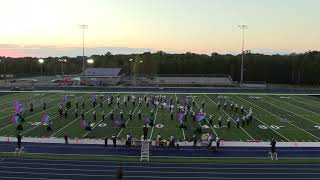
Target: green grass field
(284,117)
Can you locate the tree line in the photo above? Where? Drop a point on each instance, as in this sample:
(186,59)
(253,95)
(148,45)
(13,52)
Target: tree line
(301,68)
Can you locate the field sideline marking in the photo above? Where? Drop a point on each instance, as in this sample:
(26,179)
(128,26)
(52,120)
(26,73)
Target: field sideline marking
(184,135)
(295,105)
(230,117)
(42,173)
(206,119)
(33,178)
(154,122)
(290,122)
(153,92)
(291,112)
(72,122)
(262,121)
(170,172)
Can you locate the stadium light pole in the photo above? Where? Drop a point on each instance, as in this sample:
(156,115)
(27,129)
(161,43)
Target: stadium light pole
(83,28)
(243,28)
(4,69)
(62,61)
(131,67)
(41,61)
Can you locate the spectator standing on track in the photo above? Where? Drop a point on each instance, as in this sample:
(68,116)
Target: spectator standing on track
(114,140)
(19,137)
(19,148)
(66,139)
(195,139)
(105,141)
(273,152)
(218,142)
(129,140)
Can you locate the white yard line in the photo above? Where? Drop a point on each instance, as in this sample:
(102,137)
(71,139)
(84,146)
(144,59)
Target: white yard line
(30,116)
(206,119)
(72,122)
(290,112)
(128,119)
(290,122)
(294,105)
(23,99)
(183,133)
(230,118)
(304,102)
(34,107)
(16,97)
(262,121)
(310,100)
(35,126)
(41,123)
(154,122)
(99,122)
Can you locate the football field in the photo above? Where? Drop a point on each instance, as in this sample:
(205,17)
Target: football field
(284,117)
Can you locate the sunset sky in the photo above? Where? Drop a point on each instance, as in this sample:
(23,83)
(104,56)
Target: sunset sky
(51,27)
